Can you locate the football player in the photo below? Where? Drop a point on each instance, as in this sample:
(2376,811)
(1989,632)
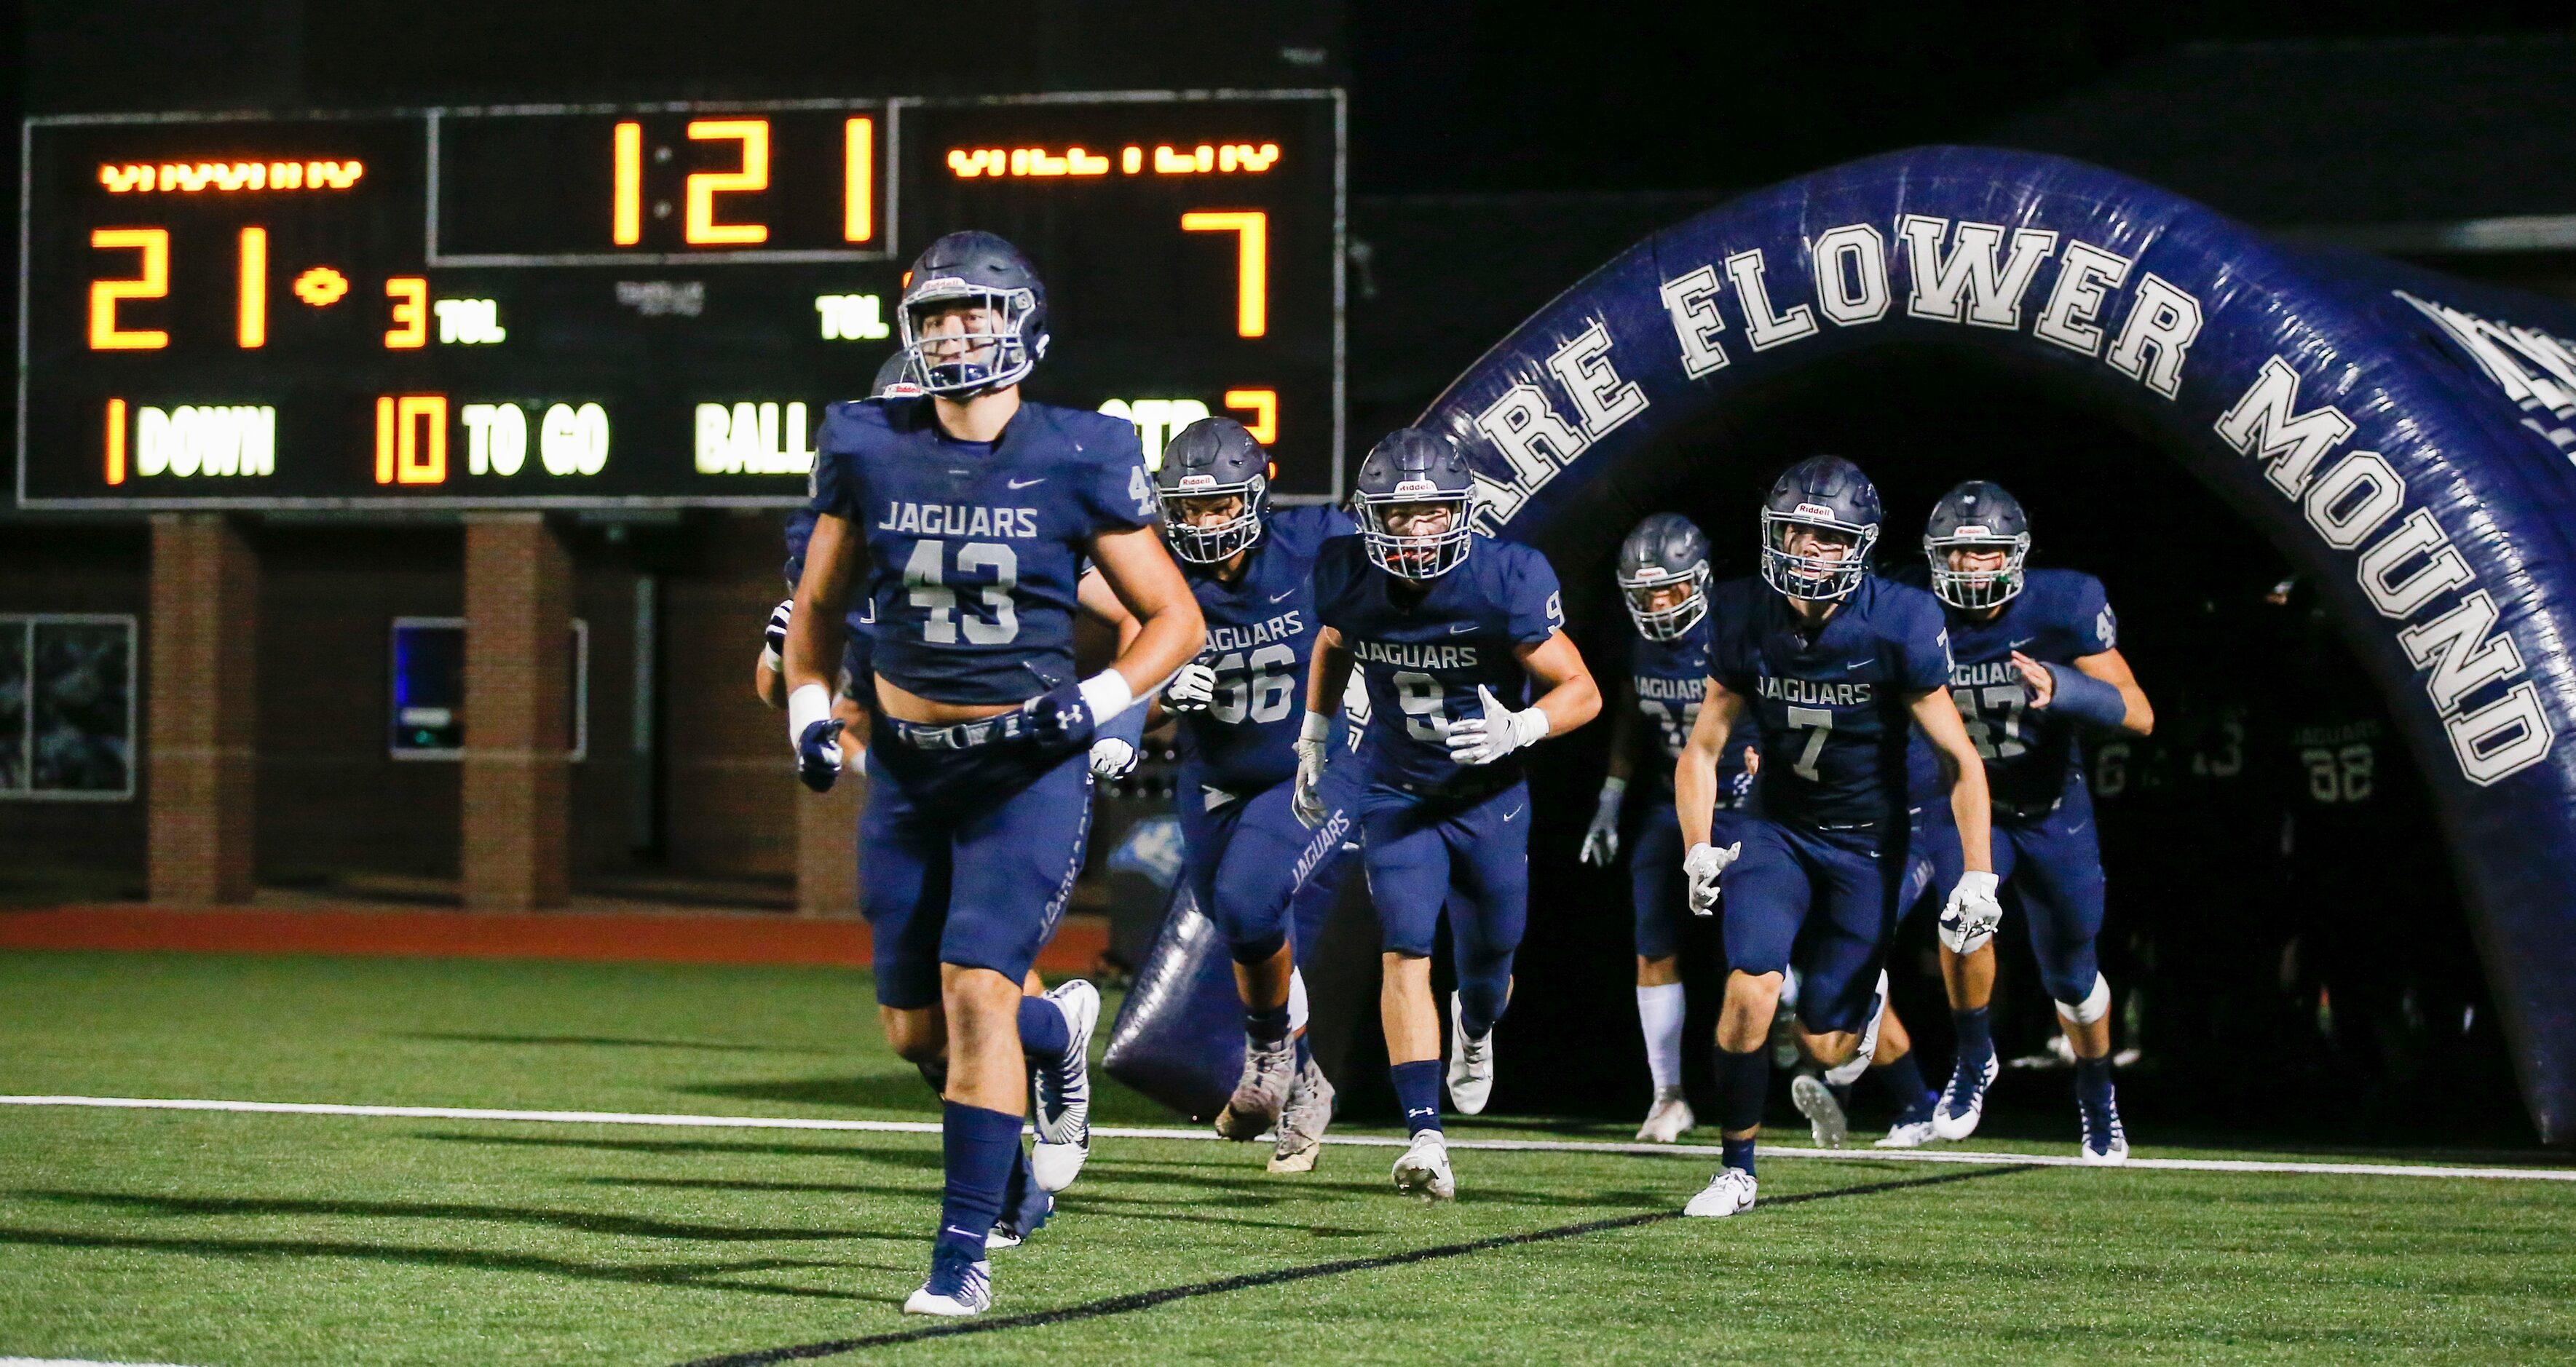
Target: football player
(2034,653)
(1663,581)
(964,516)
(1448,631)
(1252,569)
(1833,662)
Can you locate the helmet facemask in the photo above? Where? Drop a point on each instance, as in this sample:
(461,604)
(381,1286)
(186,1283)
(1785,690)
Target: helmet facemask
(1976,589)
(991,352)
(1419,556)
(1816,578)
(1675,619)
(1202,543)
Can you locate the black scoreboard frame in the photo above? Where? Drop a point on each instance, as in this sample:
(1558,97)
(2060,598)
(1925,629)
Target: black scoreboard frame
(438,120)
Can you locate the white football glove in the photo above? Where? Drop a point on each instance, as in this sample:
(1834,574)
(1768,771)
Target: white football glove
(1307,798)
(1601,839)
(1191,690)
(1968,921)
(1500,731)
(1702,866)
(1112,758)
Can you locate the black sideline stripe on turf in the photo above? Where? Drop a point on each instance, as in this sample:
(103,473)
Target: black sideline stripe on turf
(1146,1300)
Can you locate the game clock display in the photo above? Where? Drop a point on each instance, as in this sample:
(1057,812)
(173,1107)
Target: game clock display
(550,306)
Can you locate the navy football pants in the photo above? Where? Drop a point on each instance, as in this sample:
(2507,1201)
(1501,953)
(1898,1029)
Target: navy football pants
(2053,864)
(1418,849)
(1251,859)
(1831,898)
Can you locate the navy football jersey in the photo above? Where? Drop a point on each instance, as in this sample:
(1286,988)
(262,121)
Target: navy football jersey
(2058,617)
(974,549)
(1422,657)
(1833,708)
(1666,682)
(1260,636)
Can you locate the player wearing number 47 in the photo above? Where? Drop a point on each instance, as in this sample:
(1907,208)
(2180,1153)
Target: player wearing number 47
(2036,652)
(1448,631)
(1833,662)
(1240,702)
(964,515)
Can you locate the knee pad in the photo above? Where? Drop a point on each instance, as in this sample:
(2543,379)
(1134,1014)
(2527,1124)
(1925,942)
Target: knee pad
(2096,1003)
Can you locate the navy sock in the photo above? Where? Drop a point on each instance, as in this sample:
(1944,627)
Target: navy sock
(1044,1036)
(1743,1087)
(1305,1052)
(1417,1090)
(979,1148)
(1737,1154)
(1976,1034)
(1266,1026)
(2093,1083)
(1904,1083)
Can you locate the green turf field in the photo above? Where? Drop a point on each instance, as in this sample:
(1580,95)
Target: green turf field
(206,1238)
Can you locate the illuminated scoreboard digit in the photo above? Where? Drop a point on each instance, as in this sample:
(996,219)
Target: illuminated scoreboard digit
(546,306)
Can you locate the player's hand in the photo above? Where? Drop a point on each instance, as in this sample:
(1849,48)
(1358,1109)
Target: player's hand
(1968,922)
(773,637)
(2038,679)
(1702,866)
(1601,839)
(1191,690)
(1060,718)
(1112,758)
(818,754)
(1487,738)
(1307,798)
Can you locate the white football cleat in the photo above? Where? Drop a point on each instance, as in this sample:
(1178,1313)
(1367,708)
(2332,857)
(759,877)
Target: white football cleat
(1063,1093)
(1825,1118)
(2106,1140)
(956,1288)
(1268,1075)
(1471,1064)
(1907,1134)
(1302,1124)
(1424,1169)
(1668,1120)
(1727,1193)
(1963,1101)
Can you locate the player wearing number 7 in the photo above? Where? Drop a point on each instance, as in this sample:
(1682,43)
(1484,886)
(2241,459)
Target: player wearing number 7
(1448,630)
(1240,702)
(2037,652)
(1834,662)
(964,516)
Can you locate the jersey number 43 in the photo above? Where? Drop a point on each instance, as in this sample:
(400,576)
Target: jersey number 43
(926,575)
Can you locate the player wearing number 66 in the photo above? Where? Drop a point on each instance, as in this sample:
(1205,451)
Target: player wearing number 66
(964,514)
(1240,702)
(1448,631)
(1834,662)
(2037,653)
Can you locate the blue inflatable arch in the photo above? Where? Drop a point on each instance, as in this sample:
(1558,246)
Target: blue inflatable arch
(2402,437)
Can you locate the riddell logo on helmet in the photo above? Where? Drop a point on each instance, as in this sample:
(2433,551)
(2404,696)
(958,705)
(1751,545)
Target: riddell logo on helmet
(1416,486)
(1198,481)
(1815,510)
(1972,529)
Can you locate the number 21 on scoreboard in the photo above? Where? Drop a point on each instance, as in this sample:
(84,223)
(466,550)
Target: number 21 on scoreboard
(319,288)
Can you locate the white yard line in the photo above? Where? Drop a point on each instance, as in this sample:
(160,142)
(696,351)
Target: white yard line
(746,1122)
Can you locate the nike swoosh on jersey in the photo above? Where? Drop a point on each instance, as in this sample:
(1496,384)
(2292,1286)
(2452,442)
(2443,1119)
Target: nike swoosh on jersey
(1850,665)
(1514,813)
(1024,483)
(1456,627)
(1281,594)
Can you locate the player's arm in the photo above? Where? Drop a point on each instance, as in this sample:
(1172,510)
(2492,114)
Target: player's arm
(1695,773)
(1141,576)
(1623,730)
(1601,838)
(769,676)
(2106,693)
(1970,804)
(1100,603)
(812,659)
(1570,698)
(1114,751)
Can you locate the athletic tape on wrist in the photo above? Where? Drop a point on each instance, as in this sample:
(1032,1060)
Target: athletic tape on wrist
(806,705)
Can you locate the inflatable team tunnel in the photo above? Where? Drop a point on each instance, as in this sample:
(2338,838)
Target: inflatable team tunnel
(2401,438)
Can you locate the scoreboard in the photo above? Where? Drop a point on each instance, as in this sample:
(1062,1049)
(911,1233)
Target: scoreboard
(639,306)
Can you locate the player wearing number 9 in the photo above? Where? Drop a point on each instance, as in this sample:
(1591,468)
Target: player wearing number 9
(2036,652)
(1834,662)
(1449,632)
(964,515)
(1252,569)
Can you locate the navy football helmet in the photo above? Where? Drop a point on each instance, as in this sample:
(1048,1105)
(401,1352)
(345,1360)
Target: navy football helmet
(973,270)
(1979,515)
(1665,551)
(1412,466)
(1826,494)
(1213,458)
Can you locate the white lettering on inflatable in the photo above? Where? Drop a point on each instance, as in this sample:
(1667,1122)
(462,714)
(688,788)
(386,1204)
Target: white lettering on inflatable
(2502,738)
(2162,320)
(1967,286)
(2263,423)
(2463,656)
(1761,326)
(2354,500)
(2410,567)
(2075,303)
(1583,367)
(1530,434)
(1691,301)
(1851,274)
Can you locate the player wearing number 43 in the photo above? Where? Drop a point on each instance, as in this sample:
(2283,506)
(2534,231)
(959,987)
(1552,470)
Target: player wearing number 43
(2036,653)
(1663,581)
(1448,631)
(964,515)
(1833,662)
(1252,569)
